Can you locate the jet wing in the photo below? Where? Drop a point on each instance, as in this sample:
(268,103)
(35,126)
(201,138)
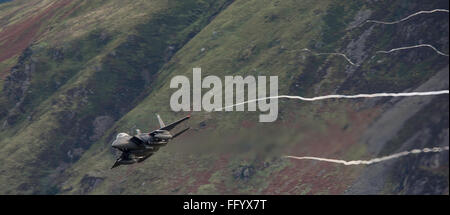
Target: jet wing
(122,156)
(116,164)
(174,124)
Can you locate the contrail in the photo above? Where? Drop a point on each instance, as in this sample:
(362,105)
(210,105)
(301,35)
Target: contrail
(411,47)
(326,53)
(396,49)
(430,93)
(375,160)
(408,17)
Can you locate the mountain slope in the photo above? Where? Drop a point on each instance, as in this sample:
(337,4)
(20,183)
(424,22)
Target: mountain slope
(53,106)
(74,88)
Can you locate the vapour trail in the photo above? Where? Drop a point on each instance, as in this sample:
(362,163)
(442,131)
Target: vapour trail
(430,93)
(375,160)
(325,53)
(408,17)
(412,47)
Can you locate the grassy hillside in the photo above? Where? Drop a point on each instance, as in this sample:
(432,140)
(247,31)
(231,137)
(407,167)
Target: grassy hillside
(57,93)
(106,66)
(262,40)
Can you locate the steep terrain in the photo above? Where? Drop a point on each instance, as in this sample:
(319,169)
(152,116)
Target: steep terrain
(74,73)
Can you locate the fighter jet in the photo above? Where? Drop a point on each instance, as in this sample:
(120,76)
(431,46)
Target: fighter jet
(141,146)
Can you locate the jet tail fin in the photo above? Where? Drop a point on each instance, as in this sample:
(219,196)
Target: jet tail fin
(177,134)
(161,123)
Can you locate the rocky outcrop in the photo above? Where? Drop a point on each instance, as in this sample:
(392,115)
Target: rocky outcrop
(100,125)
(88,183)
(16,86)
(243,172)
(407,175)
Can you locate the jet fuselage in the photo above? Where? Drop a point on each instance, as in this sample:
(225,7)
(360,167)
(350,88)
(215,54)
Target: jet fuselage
(136,149)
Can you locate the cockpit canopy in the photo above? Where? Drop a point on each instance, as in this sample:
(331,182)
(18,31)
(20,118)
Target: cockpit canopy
(121,135)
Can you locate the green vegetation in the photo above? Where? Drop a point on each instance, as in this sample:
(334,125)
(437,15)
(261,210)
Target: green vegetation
(337,17)
(116,59)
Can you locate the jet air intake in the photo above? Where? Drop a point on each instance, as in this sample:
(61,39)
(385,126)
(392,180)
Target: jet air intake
(163,136)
